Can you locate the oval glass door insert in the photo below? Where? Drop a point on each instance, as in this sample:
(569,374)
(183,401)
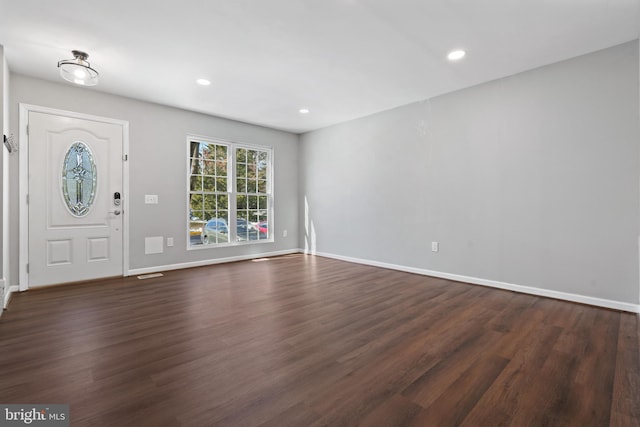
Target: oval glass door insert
(79,179)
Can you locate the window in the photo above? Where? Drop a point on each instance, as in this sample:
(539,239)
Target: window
(229,193)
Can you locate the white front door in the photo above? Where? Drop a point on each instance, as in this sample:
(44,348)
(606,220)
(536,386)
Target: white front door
(75,196)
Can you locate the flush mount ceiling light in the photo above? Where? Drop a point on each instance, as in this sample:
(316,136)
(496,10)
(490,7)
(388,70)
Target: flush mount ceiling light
(304,111)
(456,54)
(78,70)
(203,82)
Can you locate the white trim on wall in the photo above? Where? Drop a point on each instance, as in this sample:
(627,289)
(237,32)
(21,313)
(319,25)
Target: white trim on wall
(6,229)
(23,154)
(202,263)
(231,145)
(6,203)
(126,206)
(23,173)
(599,302)
(7,294)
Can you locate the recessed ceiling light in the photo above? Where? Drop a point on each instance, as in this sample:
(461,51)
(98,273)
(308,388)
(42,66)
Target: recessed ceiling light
(304,111)
(456,54)
(203,82)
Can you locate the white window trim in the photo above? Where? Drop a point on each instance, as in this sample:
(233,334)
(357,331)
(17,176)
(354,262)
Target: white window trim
(231,189)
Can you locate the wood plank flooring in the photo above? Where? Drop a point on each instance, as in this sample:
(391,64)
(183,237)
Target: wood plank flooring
(309,341)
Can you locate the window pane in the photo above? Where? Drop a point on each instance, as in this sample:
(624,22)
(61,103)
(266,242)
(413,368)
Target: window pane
(263,230)
(221,168)
(209,184)
(221,152)
(194,149)
(241,155)
(252,186)
(209,168)
(196,202)
(252,156)
(262,186)
(263,158)
(208,151)
(262,202)
(263,164)
(195,166)
(223,202)
(241,185)
(241,170)
(241,202)
(196,183)
(195,227)
(252,202)
(251,171)
(210,202)
(221,184)
(254,216)
(216,230)
(262,173)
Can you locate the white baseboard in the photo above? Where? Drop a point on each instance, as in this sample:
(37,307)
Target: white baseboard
(146,270)
(583,299)
(7,294)
(617,305)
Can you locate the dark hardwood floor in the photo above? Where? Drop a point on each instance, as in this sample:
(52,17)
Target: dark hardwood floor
(309,341)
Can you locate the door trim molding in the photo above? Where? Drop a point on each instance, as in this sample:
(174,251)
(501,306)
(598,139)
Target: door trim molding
(23,160)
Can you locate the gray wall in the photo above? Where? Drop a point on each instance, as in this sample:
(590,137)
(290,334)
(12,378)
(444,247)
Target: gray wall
(158,166)
(531,180)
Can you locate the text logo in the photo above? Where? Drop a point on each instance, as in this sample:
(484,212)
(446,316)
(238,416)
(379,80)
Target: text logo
(34,415)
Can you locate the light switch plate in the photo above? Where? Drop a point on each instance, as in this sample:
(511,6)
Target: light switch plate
(151,199)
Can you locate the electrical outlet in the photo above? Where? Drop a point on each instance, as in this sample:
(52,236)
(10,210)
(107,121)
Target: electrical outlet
(284,233)
(169,241)
(435,246)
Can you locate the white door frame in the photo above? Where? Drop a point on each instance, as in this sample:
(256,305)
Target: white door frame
(23,159)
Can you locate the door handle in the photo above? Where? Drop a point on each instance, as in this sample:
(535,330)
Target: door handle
(116,212)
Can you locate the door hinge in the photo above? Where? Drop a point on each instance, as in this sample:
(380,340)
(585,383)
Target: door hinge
(27,199)
(125,157)
(27,268)
(27,130)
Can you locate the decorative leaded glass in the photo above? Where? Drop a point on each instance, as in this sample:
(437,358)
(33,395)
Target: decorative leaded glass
(79,179)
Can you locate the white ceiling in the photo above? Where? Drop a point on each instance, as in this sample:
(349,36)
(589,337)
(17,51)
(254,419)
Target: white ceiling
(266,59)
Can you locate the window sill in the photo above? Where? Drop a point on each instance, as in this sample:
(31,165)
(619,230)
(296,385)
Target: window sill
(229,245)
